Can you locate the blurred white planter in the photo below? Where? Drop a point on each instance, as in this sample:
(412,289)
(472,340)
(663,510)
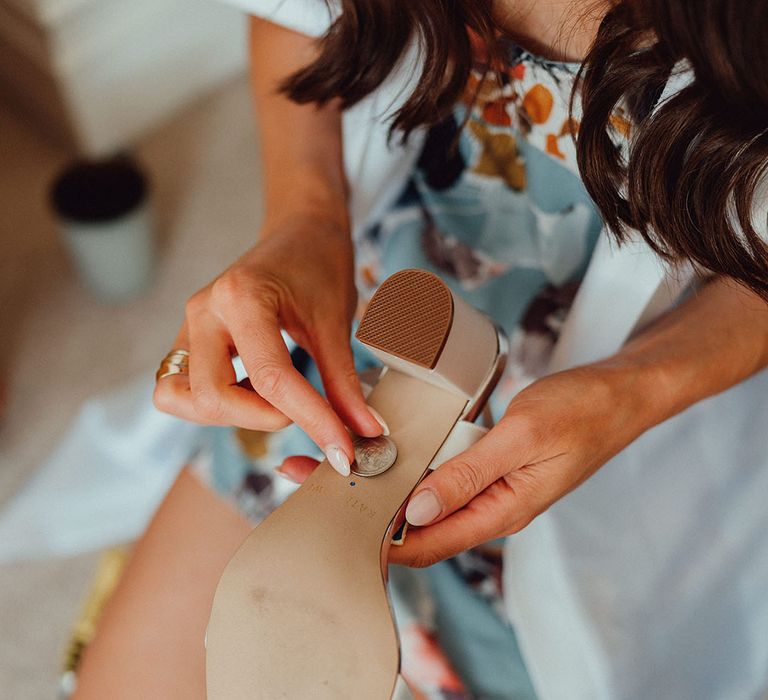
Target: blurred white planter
(100,72)
(105,219)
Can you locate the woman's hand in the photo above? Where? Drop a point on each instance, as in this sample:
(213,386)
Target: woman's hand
(300,278)
(554,435)
(564,427)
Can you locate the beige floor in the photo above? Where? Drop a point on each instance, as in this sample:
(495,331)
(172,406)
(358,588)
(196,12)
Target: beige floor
(59,346)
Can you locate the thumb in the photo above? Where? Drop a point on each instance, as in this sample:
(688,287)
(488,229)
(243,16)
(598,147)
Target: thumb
(456,482)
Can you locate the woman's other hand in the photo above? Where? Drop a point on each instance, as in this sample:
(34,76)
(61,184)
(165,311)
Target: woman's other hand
(554,435)
(561,429)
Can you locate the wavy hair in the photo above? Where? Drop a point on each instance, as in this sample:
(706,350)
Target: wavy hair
(687,181)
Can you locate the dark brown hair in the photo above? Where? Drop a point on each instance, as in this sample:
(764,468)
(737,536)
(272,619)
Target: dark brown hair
(688,178)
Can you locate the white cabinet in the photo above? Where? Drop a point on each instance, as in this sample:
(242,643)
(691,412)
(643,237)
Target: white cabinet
(100,72)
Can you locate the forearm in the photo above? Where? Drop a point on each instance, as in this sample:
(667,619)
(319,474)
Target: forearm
(300,144)
(711,342)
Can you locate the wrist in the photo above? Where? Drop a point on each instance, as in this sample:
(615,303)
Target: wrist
(638,391)
(308,194)
(303,238)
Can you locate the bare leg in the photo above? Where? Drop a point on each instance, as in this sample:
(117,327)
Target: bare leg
(150,640)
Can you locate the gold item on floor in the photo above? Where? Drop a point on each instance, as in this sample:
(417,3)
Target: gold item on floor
(108,572)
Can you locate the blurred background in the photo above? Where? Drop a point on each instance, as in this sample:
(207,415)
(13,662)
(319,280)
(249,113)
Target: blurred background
(162,82)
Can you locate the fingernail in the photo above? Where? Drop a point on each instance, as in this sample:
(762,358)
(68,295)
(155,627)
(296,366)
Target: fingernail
(380,420)
(288,477)
(338,459)
(423,508)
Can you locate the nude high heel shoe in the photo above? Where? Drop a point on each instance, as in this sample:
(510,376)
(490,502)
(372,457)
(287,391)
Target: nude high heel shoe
(301,611)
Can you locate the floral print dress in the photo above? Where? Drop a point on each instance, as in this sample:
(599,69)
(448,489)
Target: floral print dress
(496,208)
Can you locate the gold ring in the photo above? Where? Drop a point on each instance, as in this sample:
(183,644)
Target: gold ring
(175,362)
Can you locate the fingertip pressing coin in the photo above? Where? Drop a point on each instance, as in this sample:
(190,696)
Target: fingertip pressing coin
(373,456)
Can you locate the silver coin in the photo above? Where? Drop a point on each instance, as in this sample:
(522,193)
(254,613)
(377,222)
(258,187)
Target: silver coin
(373,455)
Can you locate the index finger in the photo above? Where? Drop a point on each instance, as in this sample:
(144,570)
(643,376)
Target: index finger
(260,344)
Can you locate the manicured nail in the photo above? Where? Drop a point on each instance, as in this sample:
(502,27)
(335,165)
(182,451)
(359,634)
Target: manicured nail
(380,420)
(423,508)
(338,459)
(288,477)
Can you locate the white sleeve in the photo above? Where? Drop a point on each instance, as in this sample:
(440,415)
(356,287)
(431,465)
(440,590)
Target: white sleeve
(376,166)
(311,17)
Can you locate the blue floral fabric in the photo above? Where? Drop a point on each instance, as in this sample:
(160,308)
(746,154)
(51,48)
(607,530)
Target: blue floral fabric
(496,208)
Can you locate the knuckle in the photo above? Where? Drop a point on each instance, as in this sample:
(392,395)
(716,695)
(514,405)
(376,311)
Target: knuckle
(207,403)
(268,421)
(268,379)
(524,505)
(525,427)
(534,434)
(423,559)
(197,303)
(510,522)
(518,524)
(238,289)
(343,377)
(467,479)
(518,487)
(227,288)
(162,398)
(277,422)
(264,286)
(348,374)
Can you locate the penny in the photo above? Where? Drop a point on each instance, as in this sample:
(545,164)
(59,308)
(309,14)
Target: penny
(373,455)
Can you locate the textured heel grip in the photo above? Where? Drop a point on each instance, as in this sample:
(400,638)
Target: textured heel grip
(409,316)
